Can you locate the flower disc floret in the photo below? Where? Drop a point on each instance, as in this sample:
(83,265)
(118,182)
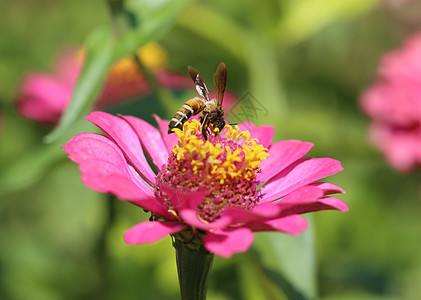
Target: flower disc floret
(224,167)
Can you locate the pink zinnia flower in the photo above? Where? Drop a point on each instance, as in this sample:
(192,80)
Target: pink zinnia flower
(394,104)
(215,192)
(44,96)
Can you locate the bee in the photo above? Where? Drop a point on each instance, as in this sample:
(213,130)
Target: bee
(211,112)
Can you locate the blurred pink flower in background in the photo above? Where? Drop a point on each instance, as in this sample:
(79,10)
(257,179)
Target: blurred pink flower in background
(394,104)
(44,96)
(205,191)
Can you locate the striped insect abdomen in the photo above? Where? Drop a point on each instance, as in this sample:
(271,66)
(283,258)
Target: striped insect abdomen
(190,108)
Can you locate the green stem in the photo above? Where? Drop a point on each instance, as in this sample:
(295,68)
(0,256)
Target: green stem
(102,252)
(193,266)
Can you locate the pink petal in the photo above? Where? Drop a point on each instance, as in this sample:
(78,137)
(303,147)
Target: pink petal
(304,199)
(227,242)
(300,173)
(246,126)
(169,139)
(190,217)
(124,136)
(105,170)
(328,188)
(264,134)
(293,224)
(43,98)
(261,211)
(334,203)
(151,140)
(305,194)
(49,88)
(150,232)
(37,110)
(282,154)
(300,201)
(400,146)
(318,205)
(91,147)
(308,199)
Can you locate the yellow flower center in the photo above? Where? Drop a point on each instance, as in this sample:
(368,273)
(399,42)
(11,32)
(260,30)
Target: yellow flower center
(224,167)
(229,158)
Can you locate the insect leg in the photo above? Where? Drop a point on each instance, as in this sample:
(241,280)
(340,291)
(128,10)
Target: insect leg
(205,123)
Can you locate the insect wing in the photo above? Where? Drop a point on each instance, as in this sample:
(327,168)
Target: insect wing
(198,81)
(219,82)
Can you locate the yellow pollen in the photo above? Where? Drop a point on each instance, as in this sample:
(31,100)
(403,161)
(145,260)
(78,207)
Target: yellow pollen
(222,162)
(173,212)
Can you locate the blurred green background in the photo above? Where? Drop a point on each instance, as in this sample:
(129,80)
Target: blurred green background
(306,61)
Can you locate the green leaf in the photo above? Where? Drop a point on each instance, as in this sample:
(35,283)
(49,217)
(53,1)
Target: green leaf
(34,164)
(99,54)
(290,262)
(29,168)
(255,282)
